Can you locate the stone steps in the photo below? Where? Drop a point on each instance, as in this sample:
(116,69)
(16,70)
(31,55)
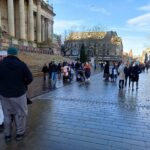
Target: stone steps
(36,61)
(36,70)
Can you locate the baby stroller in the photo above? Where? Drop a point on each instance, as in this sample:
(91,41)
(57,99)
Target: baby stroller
(66,73)
(81,75)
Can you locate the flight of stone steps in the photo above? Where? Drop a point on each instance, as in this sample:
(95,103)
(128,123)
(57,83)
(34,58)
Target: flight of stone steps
(36,61)
(36,70)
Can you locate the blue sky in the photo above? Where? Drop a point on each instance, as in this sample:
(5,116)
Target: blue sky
(130,18)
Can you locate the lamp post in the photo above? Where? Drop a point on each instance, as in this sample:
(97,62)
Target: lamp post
(103,52)
(96,50)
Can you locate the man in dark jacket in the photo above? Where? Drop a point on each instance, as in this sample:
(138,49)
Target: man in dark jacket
(135,71)
(14,78)
(45,71)
(54,71)
(127,71)
(106,71)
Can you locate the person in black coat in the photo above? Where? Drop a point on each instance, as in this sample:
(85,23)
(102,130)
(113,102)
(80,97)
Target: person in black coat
(45,71)
(54,71)
(14,78)
(50,70)
(135,71)
(127,71)
(106,71)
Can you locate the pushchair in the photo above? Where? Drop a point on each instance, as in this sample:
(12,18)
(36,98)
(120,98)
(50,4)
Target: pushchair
(81,75)
(66,73)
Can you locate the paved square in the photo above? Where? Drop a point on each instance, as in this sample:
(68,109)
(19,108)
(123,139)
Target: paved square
(89,116)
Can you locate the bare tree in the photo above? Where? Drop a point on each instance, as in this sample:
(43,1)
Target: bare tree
(85,35)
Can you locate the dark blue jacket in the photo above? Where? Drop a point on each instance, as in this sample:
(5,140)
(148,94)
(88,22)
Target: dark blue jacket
(14,77)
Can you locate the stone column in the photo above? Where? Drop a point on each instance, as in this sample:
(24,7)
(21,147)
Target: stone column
(31,21)
(22,19)
(11,28)
(39,21)
(49,29)
(52,23)
(46,30)
(43,29)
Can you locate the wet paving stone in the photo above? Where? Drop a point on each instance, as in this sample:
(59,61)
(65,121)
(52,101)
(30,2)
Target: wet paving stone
(89,116)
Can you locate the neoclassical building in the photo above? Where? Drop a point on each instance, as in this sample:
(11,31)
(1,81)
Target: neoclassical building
(103,45)
(25,22)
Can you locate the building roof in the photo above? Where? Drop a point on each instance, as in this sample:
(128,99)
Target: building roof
(108,36)
(48,6)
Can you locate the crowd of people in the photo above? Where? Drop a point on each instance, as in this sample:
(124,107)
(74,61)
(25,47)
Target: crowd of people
(66,71)
(127,73)
(15,76)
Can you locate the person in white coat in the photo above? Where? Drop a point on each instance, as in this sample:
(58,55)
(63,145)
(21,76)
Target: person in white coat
(121,75)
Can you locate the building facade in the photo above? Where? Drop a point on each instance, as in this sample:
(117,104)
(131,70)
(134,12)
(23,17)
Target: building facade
(103,45)
(57,44)
(146,55)
(25,22)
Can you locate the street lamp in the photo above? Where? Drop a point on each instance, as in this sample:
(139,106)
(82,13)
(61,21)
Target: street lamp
(103,52)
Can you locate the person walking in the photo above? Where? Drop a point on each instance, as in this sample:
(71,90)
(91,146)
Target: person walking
(114,73)
(14,78)
(77,67)
(106,71)
(127,71)
(87,70)
(1,118)
(121,75)
(50,70)
(59,70)
(135,71)
(54,73)
(45,71)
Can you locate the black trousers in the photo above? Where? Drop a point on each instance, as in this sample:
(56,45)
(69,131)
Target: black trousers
(121,84)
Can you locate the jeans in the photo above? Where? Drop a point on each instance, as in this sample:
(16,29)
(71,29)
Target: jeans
(1,115)
(121,84)
(53,76)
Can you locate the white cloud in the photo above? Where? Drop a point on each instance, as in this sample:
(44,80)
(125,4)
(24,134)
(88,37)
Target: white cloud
(61,25)
(131,29)
(144,8)
(99,10)
(134,37)
(143,20)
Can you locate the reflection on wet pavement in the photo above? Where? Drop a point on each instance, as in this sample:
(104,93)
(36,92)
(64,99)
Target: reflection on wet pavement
(95,115)
(38,86)
(100,91)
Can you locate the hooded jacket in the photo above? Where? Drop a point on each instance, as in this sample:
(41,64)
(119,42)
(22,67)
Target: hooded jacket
(14,77)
